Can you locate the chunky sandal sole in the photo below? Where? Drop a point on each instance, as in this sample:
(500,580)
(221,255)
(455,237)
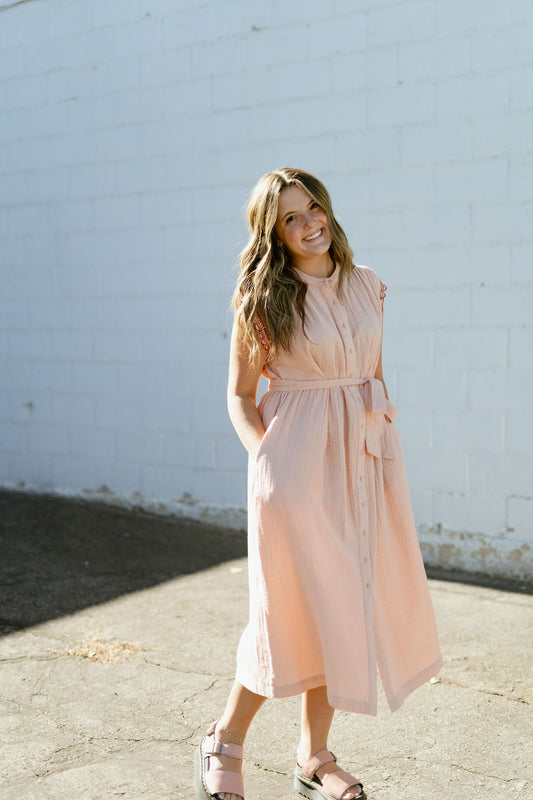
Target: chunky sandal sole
(307,791)
(313,792)
(199,788)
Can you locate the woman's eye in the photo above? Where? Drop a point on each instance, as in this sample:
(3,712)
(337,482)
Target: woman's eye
(315,205)
(290,219)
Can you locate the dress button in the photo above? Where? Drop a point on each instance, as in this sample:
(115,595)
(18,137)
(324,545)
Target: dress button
(364,532)
(360,478)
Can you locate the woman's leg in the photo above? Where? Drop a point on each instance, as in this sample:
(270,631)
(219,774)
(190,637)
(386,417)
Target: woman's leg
(317,716)
(241,708)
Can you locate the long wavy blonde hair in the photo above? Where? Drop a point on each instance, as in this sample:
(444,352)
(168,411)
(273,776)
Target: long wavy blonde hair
(269,289)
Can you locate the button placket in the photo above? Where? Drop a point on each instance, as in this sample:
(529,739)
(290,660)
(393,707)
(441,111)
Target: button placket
(364,539)
(344,330)
(360,491)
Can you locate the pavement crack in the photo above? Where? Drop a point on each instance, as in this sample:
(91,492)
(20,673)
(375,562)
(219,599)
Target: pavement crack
(527,701)
(200,691)
(140,740)
(269,769)
(30,658)
(464,769)
(177,669)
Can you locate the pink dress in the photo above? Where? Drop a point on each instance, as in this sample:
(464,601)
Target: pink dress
(337,583)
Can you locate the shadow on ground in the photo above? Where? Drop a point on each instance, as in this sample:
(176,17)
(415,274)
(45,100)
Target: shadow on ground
(59,555)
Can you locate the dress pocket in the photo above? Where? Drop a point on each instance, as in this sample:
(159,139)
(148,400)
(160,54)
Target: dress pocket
(267,435)
(389,432)
(391,413)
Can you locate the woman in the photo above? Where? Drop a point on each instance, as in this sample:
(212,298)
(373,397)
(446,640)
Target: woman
(337,583)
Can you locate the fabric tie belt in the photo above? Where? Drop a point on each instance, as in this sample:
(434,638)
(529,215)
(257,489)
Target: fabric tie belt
(377,441)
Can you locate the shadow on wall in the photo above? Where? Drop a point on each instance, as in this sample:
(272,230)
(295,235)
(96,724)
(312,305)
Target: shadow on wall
(58,556)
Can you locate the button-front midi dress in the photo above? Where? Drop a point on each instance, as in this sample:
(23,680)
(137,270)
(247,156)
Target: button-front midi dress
(337,584)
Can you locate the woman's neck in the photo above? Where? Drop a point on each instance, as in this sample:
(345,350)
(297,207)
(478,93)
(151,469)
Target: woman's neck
(322,266)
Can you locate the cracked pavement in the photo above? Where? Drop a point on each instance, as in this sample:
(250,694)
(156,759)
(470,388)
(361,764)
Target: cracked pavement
(174,593)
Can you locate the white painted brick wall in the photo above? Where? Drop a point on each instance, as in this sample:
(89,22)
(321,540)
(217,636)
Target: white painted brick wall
(130,135)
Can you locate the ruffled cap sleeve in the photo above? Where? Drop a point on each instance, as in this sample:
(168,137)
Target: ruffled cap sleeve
(262,331)
(382,292)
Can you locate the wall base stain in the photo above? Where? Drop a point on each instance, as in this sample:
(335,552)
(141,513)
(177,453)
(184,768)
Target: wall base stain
(500,557)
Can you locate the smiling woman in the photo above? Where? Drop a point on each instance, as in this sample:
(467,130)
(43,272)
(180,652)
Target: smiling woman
(337,584)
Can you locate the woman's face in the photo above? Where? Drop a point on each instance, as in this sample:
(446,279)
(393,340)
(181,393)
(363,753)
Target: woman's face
(302,225)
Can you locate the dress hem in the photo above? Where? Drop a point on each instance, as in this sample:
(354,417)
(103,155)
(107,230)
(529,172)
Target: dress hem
(413,683)
(290,689)
(341,703)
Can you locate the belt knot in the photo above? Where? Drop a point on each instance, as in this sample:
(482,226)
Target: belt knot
(377,442)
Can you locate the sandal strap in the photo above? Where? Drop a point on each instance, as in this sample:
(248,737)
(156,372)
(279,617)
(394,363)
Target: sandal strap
(338,782)
(224,780)
(314,762)
(212,747)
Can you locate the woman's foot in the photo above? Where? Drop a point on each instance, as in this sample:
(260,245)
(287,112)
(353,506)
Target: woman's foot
(355,791)
(226,762)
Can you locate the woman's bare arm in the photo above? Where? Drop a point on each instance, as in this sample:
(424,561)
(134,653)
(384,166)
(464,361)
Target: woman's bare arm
(243,380)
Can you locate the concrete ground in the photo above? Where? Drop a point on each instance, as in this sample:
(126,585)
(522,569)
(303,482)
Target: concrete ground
(119,631)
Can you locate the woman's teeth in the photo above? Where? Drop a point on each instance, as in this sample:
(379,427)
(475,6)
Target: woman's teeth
(315,236)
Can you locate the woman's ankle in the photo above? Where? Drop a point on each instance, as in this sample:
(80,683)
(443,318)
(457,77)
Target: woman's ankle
(227,733)
(304,751)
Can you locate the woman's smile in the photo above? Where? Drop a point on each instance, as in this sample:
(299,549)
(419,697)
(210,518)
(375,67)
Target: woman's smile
(314,236)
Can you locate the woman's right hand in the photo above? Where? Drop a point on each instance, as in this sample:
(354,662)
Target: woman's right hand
(255,452)
(243,380)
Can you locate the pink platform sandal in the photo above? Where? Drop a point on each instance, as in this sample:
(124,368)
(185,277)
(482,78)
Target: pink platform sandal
(333,784)
(208,782)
